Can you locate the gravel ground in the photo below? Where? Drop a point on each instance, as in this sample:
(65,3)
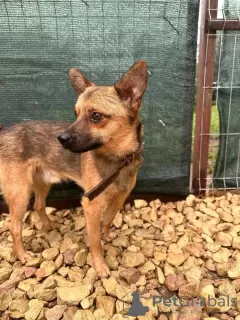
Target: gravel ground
(164,251)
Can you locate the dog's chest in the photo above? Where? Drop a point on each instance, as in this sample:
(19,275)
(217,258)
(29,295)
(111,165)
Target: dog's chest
(96,170)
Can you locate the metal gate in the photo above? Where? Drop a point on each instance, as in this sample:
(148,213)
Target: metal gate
(217,149)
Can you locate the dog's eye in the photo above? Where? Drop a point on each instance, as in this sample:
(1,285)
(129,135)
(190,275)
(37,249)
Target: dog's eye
(96,117)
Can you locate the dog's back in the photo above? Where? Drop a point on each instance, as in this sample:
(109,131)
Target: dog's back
(33,145)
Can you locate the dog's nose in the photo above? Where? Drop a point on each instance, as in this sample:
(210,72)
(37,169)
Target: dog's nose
(64,138)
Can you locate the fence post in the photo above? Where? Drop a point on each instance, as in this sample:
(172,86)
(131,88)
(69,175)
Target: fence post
(205,76)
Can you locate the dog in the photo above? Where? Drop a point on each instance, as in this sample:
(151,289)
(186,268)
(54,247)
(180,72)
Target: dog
(101,151)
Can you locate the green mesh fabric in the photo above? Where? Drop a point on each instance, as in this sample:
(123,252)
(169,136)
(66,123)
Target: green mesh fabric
(227,171)
(42,39)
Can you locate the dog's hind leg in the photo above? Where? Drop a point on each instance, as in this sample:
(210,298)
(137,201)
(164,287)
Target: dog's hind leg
(110,213)
(17,197)
(108,217)
(41,191)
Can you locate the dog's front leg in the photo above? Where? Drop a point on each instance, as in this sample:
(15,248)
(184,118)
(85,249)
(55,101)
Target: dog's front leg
(92,211)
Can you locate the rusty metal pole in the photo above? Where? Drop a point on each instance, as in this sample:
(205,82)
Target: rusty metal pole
(222,24)
(204,98)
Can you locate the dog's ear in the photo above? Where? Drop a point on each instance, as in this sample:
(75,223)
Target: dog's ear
(133,84)
(79,81)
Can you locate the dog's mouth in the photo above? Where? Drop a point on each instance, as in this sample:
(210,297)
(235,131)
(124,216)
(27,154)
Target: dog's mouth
(80,149)
(79,144)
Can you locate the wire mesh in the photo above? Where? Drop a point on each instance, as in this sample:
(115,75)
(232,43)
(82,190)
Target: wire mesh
(224,147)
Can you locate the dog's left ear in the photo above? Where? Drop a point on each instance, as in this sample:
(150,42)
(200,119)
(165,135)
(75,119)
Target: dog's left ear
(79,81)
(134,83)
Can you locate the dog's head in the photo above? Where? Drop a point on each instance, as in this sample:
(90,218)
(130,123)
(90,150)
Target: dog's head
(106,117)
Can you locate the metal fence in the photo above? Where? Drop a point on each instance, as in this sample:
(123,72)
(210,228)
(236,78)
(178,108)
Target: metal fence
(217,134)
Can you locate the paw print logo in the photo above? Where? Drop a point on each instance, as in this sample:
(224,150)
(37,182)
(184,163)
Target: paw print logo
(137,308)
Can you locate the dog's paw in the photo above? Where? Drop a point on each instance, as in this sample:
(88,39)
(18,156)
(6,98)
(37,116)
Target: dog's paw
(109,236)
(25,256)
(102,270)
(50,225)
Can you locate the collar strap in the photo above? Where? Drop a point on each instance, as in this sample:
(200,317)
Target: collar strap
(109,179)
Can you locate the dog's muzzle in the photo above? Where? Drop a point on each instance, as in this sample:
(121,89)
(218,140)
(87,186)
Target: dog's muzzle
(79,143)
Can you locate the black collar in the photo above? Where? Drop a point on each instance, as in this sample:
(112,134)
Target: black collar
(109,179)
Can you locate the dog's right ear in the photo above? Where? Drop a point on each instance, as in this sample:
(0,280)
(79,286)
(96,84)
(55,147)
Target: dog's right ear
(79,81)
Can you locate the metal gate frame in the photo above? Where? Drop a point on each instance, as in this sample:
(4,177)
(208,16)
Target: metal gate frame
(209,25)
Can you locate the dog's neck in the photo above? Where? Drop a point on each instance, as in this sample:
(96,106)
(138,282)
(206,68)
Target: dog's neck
(136,155)
(121,163)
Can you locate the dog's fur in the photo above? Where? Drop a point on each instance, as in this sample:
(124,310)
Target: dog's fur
(31,157)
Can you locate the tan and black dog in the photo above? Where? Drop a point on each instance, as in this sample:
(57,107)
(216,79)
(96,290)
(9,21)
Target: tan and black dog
(102,152)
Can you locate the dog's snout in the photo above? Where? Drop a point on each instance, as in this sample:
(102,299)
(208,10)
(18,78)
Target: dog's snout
(64,138)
